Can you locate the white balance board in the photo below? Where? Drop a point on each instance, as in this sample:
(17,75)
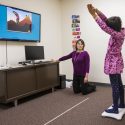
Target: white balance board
(113,115)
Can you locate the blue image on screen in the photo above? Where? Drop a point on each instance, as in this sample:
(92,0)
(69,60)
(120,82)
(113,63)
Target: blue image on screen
(17,24)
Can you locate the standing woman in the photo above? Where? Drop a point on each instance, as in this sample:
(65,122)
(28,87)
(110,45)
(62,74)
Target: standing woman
(113,61)
(81,63)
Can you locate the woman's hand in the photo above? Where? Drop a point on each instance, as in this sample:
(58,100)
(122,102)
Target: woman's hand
(86,80)
(55,60)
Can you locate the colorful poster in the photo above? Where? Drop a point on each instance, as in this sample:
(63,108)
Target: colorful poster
(75,29)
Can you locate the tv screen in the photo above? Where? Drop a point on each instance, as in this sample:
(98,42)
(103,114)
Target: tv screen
(34,52)
(17,24)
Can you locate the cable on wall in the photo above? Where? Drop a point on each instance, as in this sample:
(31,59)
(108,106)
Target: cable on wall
(6,54)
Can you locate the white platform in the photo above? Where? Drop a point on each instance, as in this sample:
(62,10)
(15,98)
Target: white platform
(113,115)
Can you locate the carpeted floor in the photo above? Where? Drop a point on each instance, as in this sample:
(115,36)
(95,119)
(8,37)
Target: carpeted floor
(61,107)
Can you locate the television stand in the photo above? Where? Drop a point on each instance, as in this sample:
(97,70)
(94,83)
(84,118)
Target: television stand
(19,82)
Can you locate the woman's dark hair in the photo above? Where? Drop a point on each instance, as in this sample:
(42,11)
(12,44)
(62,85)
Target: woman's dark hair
(80,40)
(114,23)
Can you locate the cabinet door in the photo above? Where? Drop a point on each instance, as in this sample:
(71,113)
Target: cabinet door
(20,82)
(47,76)
(2,84)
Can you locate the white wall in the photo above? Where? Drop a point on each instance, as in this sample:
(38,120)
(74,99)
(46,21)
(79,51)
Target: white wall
(56,32)
(50,11)
(96,40)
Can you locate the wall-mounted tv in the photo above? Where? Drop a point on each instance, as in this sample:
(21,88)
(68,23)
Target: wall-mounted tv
(19,25)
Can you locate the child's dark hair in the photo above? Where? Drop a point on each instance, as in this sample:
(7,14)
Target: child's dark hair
(80,40)
(114,23)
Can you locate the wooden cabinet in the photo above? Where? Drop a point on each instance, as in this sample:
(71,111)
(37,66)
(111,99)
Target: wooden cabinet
(18,82)
(50,76)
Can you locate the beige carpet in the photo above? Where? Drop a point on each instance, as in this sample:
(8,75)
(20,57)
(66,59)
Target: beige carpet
(40,110)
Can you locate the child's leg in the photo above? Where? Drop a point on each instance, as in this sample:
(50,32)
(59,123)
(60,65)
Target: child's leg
(121,90)
(115,93)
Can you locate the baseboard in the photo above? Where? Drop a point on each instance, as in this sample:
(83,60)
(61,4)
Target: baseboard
(69,80)
(97,83)
(101,84)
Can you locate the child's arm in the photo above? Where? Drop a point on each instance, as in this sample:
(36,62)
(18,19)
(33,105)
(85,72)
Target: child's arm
(101,15)
(109,30)
(102,23)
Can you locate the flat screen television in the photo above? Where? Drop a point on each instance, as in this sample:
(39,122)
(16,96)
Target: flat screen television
(33,53)
(19,25)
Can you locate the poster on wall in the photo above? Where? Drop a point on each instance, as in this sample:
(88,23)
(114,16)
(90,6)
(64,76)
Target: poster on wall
(75,29)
